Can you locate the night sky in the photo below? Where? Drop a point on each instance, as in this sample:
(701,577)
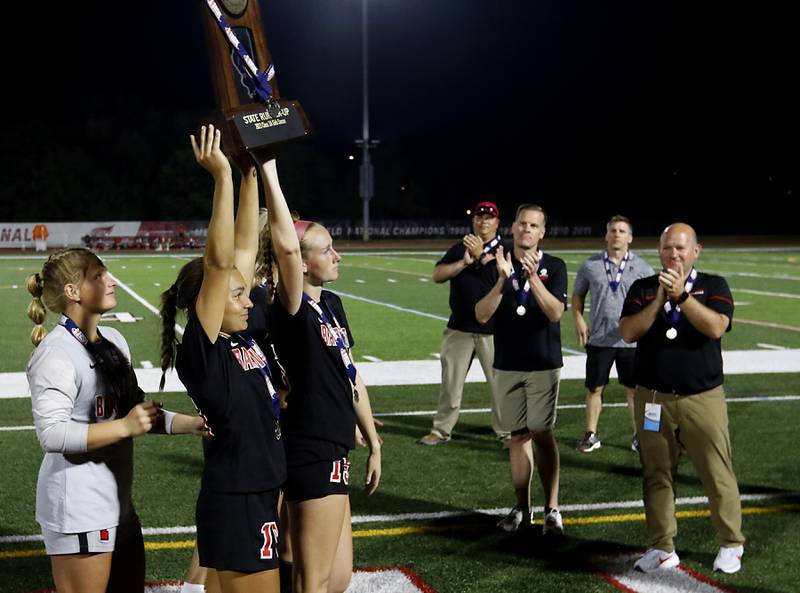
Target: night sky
(660,110)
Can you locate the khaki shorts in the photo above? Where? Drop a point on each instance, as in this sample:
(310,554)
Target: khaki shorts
(527,400)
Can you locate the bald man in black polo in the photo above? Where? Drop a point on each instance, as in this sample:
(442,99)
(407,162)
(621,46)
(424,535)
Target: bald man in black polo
(678,318)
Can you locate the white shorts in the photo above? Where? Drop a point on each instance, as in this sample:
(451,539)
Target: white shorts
(90,542)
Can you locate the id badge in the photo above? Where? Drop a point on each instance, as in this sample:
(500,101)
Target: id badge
(652,417)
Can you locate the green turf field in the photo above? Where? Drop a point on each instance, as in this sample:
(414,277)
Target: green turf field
(455,553)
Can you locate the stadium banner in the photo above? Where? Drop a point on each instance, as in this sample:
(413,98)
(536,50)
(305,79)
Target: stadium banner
(390,229)
(158,235)
(105,235)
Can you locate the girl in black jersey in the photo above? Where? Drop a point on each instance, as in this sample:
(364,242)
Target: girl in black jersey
(326,400)
(226,375)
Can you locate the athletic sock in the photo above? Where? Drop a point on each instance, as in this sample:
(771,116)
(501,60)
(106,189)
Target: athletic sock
(285,571)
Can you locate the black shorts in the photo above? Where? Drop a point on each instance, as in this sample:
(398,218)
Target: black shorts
(238,531)
(318,479)
(598,366)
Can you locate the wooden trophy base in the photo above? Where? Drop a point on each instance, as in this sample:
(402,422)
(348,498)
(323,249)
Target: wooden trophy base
(249,128)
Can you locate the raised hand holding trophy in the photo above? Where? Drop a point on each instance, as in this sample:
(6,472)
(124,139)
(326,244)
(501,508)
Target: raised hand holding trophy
(254,115)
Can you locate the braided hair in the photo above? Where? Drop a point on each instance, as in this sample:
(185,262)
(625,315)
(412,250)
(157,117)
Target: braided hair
(265,260)
(181,296)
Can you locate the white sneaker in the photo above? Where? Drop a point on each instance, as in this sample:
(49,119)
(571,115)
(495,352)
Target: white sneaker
(517,518)
(654,559)
(729,560)
(553,523)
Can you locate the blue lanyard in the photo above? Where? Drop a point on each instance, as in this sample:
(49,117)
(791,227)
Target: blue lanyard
(674,311)
(76,332)
(489,246)
(260,79)
(265,372)
(523,292)
(615,282)
(344,351)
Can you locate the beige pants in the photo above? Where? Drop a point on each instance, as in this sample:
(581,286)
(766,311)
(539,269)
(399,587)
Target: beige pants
(457,351)
(697,424)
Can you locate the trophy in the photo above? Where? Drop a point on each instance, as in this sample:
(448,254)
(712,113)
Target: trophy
(254,116)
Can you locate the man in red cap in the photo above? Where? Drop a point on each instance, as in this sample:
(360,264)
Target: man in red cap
(464,337)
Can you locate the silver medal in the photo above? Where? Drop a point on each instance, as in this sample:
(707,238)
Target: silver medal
(521,310)
(672,333)
(277,430)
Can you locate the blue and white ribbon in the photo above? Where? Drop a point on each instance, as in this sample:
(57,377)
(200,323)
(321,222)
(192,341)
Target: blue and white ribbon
(344,351)
(490,246)
(267,374)
(260,79)
(522,293)
(614,282)
(674,311)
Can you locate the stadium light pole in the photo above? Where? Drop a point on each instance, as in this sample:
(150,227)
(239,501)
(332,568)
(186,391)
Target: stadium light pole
(366,177)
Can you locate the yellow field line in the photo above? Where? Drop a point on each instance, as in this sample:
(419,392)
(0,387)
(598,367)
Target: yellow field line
(422,529)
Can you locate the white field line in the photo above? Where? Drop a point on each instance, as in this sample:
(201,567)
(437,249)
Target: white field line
(791,328)
(421,313)
(371,358)
(754,275)
(498,511)
(142,300)
(730,400)
(391,306)
(429,372)
(783,295)
(417,259)
(771,346)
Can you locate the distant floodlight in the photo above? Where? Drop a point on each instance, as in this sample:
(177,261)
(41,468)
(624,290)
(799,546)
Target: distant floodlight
(469,212)
(351,157)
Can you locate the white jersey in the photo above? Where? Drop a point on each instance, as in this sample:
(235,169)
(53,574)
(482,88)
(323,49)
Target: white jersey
(77,490)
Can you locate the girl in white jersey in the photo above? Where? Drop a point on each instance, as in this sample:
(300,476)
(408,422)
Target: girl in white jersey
(87,407)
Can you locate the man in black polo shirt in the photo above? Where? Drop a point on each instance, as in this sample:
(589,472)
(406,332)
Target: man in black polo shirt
(464,337)
(526,295)
(678,318)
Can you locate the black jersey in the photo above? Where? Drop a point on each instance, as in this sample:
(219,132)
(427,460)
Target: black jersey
(690,362)
(530,342)
(465,291)
(225,383)
(319,420)
(258,319)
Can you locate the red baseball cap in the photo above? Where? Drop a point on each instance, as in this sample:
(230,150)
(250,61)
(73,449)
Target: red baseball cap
(489,208)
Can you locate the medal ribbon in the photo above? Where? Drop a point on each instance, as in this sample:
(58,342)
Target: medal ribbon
(267,374)
(344,351)
(522,293)
(614,282)
(489,246)
(674,311)
(260,79)
(78,334)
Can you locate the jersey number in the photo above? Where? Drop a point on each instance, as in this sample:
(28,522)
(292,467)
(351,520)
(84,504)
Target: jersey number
(270,532)
(340,472)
